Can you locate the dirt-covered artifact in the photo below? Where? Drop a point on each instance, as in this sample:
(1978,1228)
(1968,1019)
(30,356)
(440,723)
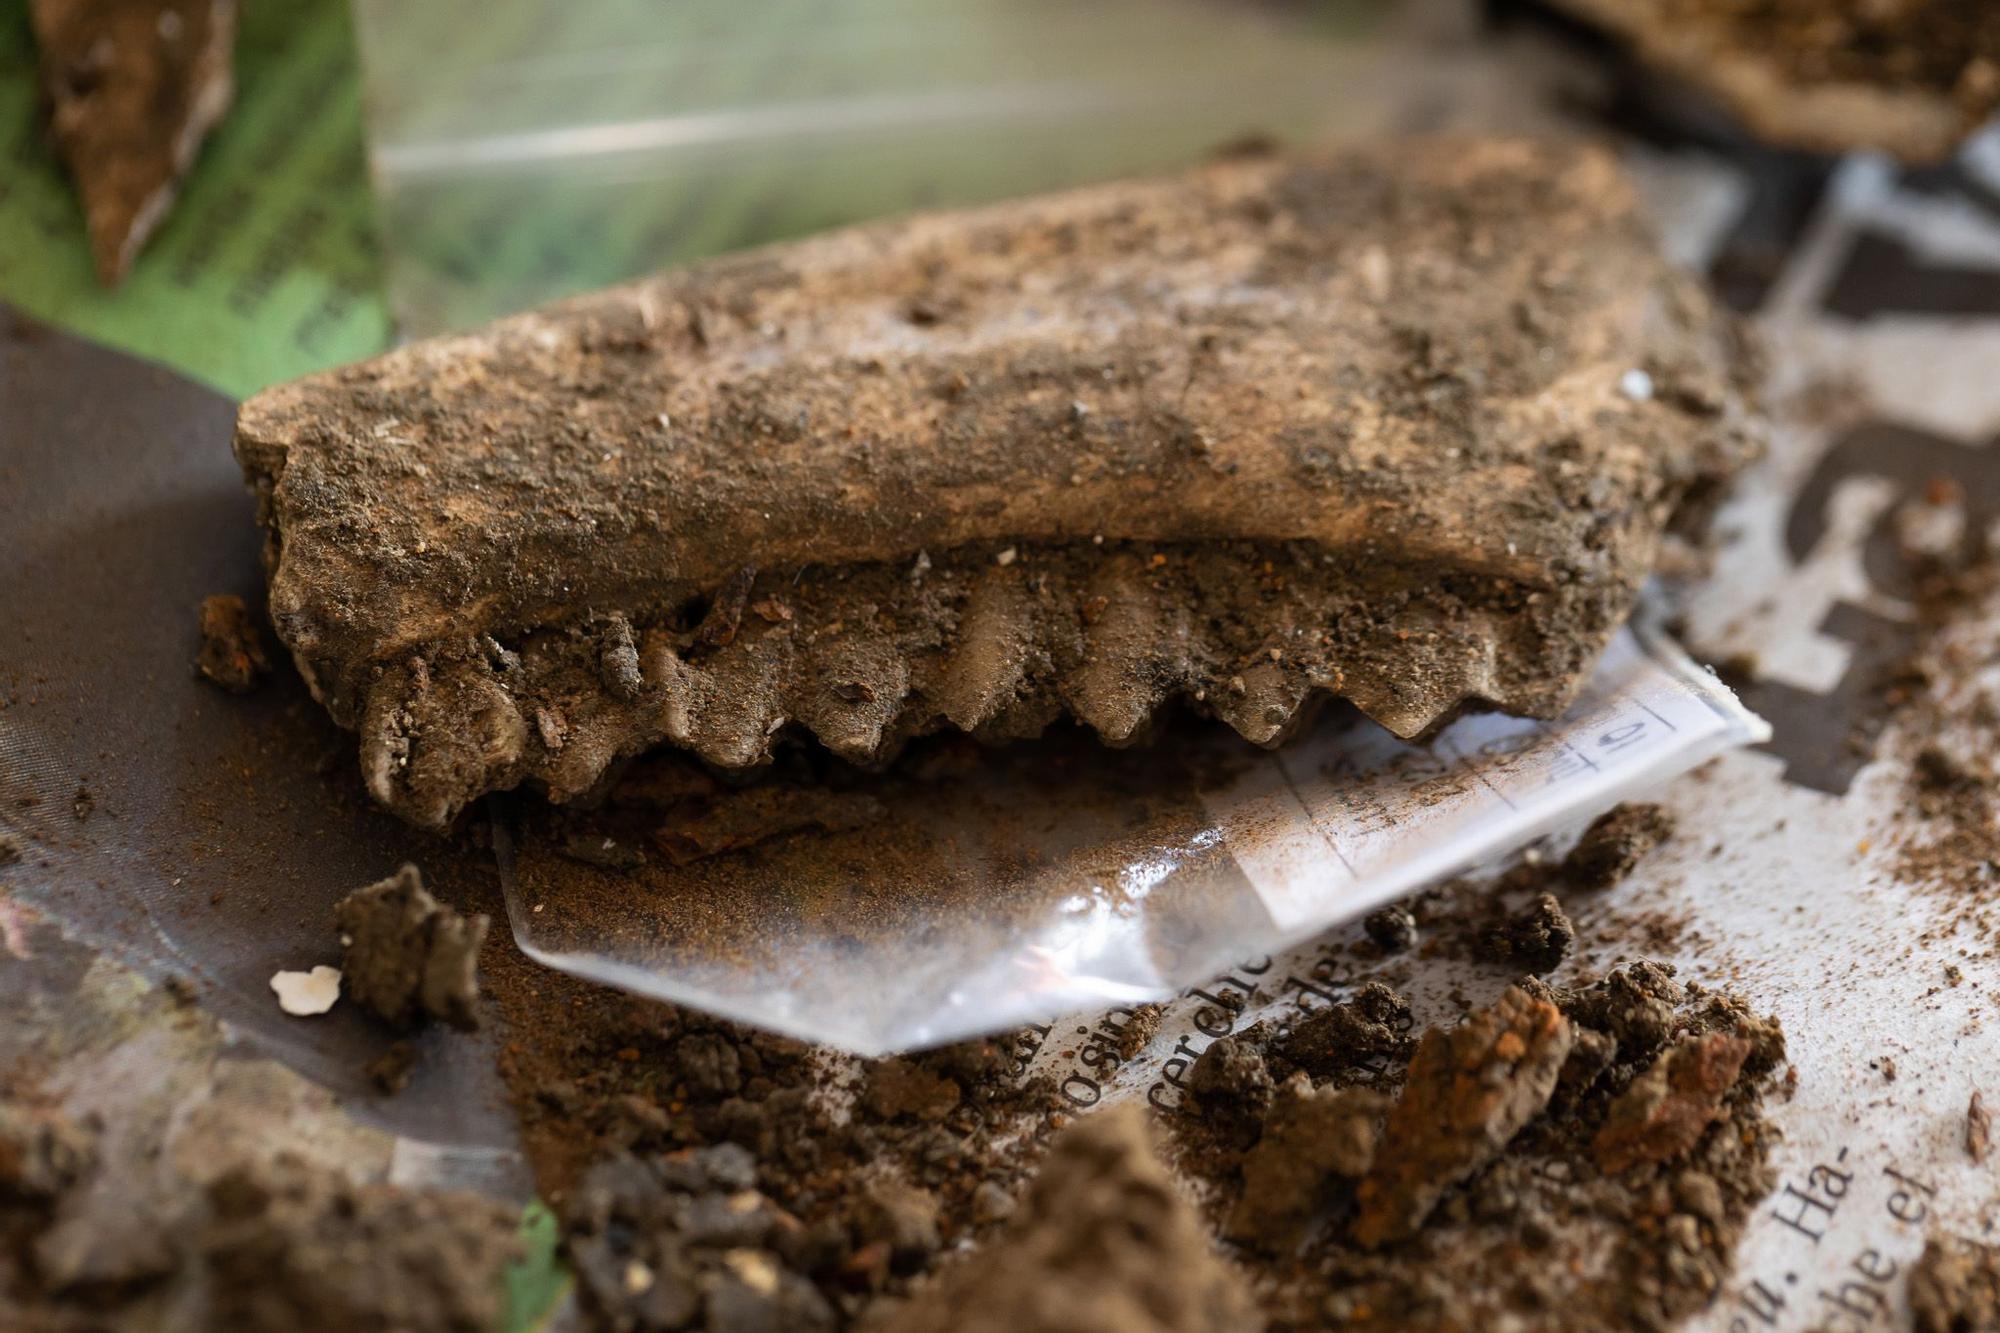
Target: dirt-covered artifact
(1406,425)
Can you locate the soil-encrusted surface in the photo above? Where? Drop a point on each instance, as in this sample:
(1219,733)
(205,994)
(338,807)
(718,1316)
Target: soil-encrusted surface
(1406,425)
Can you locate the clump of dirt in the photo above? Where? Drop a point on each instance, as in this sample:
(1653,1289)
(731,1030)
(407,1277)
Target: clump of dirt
(684,1240)
(1955,1287)
(11,849)
(1537,937)
(1576,1158)
(1103,1241)
(408,957)
(1615,843)
(291,1247)
(232,653)
(867,1167)
(1314,1143)
(1469,1091)
(273,1246)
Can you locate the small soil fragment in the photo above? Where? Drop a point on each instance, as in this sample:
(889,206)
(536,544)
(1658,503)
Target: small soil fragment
(1230,1074)
(11,849)
(1955,1287)
(1393,928)
(1315,1142)
(1371,1026)
(408,957)
(898,1089)
(1978,1129)
(1667,1109)
(232,654)
(1470,1090)
(1615,843)
(293,1247)
(1537,938)
(1103,1242)
(684,1240)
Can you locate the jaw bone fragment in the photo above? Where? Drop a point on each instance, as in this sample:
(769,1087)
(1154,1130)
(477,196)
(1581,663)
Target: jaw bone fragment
(1244,437)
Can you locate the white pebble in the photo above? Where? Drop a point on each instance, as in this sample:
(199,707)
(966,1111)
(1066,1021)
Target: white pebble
(1636,385)
(304,994)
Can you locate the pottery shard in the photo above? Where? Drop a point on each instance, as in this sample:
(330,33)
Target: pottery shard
(1248,437)
(1470,1090)
(1664,1111)
(133,87)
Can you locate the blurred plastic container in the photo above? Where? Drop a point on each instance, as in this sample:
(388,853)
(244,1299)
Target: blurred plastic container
(526,149)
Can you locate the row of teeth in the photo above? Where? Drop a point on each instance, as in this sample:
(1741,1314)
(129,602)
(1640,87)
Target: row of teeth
(1111,649)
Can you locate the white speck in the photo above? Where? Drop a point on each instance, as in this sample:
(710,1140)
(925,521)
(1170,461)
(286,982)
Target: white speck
(666,422)
(1511,550)
(638,1278)
(921,566)
(303,994)
(1006,557)
(537,909)
(1636,385)
(1098,540)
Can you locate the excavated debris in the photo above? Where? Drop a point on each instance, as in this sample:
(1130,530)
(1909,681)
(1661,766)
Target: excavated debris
(291,1247)
(1909,77)
(232,654)
(1470,1090)
(1406,425)
(1955,1287)
(407,956)
(133,87)
(1102,1242)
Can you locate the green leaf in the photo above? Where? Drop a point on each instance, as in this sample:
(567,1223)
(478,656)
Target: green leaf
(538,1280)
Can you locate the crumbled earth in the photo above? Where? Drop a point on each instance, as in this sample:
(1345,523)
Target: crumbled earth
(1615,843)
(408,957)
(684,1240)
(1574,1158)
(271,1246)
(1103,1241)
(1955,1287)
(289,1248)
(1469,1091)
(233,654)
(1537,937)
(865,1170)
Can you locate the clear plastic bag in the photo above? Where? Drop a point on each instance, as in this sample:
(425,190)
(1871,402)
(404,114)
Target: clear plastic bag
(1033,881)
(523,150)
